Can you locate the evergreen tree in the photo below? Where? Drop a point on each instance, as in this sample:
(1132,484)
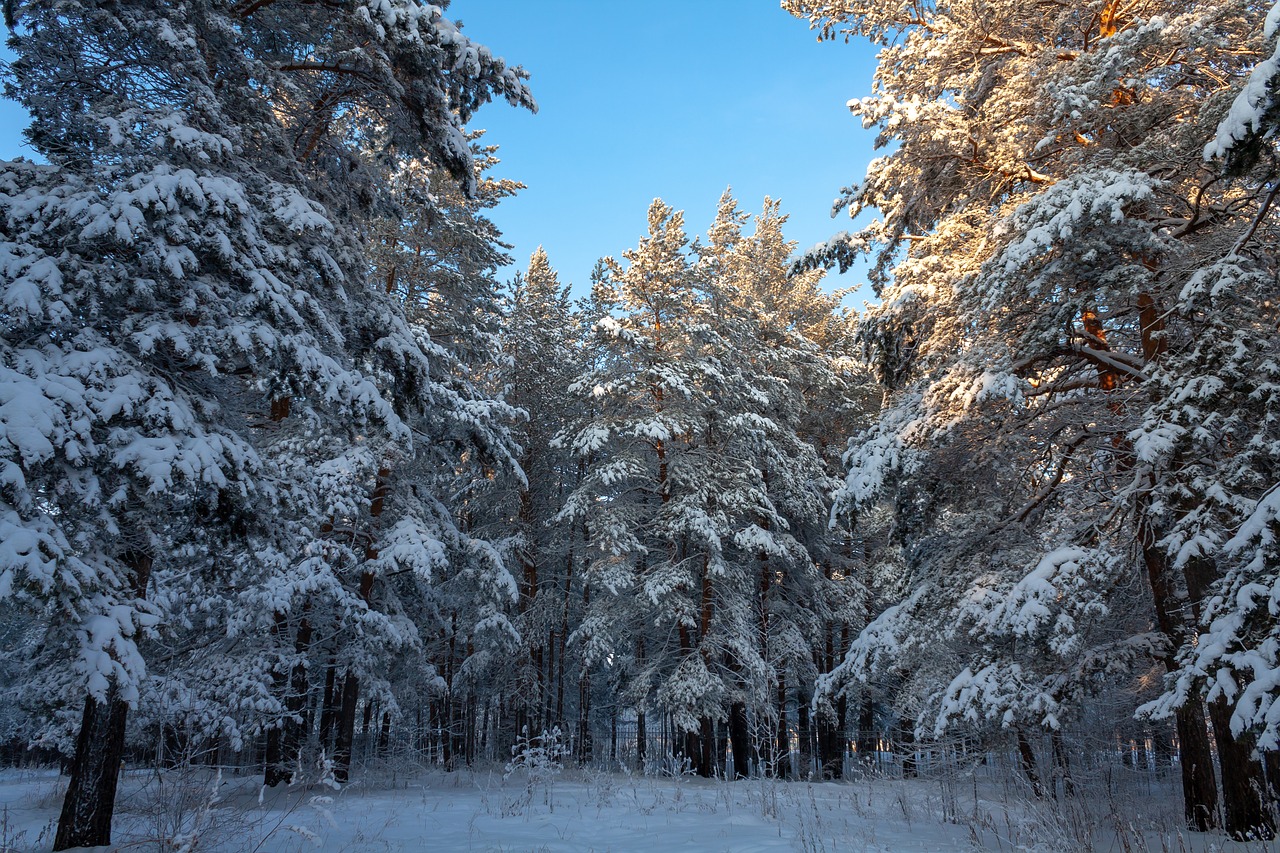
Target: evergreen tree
(1043,216)
(189,265)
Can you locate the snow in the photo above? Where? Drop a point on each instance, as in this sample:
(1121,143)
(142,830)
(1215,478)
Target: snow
(582,810)
(481,811)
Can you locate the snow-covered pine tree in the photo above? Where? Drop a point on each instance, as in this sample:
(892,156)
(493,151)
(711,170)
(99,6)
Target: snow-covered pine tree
(445,547)
(1211,436)
(1043,214)
(191,259)
(542,355)
(703,498)
(779,334)
(639,495)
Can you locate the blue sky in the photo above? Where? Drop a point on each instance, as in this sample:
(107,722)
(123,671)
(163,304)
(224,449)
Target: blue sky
(669,98)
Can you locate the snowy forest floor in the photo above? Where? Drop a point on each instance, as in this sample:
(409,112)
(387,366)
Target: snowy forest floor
(585,811)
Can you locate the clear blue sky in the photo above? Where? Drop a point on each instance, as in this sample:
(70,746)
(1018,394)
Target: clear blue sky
(668,98)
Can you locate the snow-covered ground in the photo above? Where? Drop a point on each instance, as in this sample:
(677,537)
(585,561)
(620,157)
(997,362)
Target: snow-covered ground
(582,811)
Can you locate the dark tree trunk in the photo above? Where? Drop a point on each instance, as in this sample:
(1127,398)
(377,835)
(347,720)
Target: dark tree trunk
(1027,760)
(346,727)
(613,737)
(274,769)
(1162,746)
(457,732)
(739,740)
(384,734)
(907,740)
(90,801)
(691,749)
(1245,812)
(1247,817)
(641,745)
(585,746)
(1271,765)
(1199,789)
(446,737)
(827,738)
(297,726)
(707,745)
(721,748)
(91,795)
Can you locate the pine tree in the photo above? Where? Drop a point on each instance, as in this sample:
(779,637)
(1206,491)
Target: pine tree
(1045,208)
(542,355)
(190,260)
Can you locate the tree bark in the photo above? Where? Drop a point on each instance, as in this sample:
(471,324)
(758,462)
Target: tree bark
(641,745)
(739,740)
(585,745)
(868,742)
(1199,789)
(1027,760)
(907,740)
(297,726)
(274,771)
(90,801)
(384,734)
(1062,767)
(91,795)
(346,727)
(329,706)
(1245,811)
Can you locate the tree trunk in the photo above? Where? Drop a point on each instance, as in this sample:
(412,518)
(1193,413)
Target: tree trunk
(274,770)
(1271,764)
(585,746)
(1199,790)
(90,801)
(296,727)
(707,745)
(1245,811)
(739,740)
(346,727)
(1027,760)
(868,743)
(907,740)
(827,738)
(641,745)
(1247,817)
(91,795)
(446,737)
(1062,768)
(384,734)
